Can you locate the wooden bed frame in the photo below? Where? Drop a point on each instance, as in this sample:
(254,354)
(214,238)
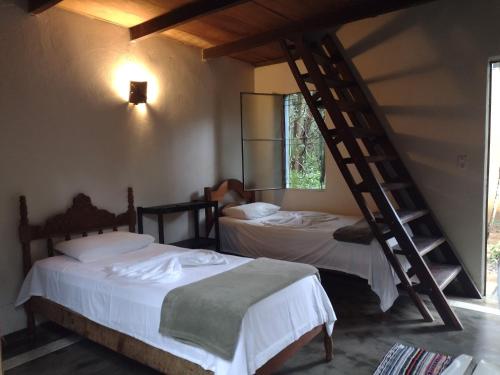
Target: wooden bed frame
(79,220)
(219,192)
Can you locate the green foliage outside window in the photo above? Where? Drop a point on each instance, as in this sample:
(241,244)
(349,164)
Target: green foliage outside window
(305,147)
(494,253)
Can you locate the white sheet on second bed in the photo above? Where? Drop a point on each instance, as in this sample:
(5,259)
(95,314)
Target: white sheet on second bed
(133,306)
(307,237)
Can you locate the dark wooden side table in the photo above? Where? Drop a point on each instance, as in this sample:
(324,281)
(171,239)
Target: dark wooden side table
(197,242)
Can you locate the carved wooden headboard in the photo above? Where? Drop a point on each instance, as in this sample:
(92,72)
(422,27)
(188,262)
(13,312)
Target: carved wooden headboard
(81,218)
(219,192)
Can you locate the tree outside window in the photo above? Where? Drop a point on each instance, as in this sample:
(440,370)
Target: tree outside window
(304,146)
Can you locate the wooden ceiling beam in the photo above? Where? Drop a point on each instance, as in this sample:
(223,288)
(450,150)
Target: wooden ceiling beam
(180,15)
(39,6)
(342,13)
(277,60)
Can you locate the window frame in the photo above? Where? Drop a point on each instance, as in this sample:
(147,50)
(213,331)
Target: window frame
(283,140)
(286,158)
(284,146)
(489,87)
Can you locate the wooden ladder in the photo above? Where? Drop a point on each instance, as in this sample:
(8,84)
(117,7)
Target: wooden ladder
(374,171)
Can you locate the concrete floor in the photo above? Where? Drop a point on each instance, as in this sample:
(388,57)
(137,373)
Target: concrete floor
(361,336)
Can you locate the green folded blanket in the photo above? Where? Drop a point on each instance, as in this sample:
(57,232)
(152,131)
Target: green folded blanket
(208,313)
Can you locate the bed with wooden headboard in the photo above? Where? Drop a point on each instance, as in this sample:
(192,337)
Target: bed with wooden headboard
(220,193)
(314,244)
(81,219)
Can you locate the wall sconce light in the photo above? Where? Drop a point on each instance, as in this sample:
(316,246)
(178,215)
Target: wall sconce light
(138,92)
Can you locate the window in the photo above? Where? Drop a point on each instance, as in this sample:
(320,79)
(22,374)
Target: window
(304,146)
(493,207)
(281,143)
(262,141)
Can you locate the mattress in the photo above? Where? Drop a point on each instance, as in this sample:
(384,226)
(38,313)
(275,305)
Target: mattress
(307,237)
(133,306)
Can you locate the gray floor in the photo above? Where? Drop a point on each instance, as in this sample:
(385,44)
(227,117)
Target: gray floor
(361,338)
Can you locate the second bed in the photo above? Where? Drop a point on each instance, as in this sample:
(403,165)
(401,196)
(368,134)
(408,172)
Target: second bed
(306,237)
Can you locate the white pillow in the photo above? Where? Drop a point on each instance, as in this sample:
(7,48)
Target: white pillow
(100,246)
(251,211)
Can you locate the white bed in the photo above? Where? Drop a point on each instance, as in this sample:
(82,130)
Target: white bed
(307,237)
(133,306)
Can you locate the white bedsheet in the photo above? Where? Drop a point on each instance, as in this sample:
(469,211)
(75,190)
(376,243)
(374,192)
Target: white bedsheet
(307,237)
(133,306)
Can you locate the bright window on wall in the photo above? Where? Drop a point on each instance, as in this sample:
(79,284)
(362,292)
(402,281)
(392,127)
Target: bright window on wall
(305,147)
(493,242)
(281,143)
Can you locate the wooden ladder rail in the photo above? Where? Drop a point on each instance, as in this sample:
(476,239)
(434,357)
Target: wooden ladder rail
(371,185)
(404,239)
(346,173)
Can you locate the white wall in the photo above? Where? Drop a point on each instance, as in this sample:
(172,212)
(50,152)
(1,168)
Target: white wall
(427,69)
(64,129)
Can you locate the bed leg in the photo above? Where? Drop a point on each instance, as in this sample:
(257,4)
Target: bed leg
(327,340)
(30,319)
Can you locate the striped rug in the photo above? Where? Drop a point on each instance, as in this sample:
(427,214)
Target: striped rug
(406,360)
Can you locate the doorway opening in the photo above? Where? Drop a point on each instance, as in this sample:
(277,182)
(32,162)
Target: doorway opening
(493,216)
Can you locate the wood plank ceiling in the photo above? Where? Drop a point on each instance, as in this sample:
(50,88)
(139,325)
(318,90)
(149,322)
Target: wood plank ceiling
(247,30)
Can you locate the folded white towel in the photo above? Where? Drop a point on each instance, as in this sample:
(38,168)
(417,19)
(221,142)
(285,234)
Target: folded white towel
(162,268)
(196,258)
(166,267)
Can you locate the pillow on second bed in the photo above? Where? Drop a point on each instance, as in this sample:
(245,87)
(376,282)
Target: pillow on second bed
(93,248)
(250,211)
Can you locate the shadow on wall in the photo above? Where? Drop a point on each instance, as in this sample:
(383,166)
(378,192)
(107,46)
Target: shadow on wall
(452,44)
(427,67)
(451,74)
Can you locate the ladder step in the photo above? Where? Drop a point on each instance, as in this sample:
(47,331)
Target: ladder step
(360,132)
(345,106)
(387,186)
(390,186)
(409,215)
(444,274)
(321,58)
(424,244)
(331,82)
(405,216)
(373,159)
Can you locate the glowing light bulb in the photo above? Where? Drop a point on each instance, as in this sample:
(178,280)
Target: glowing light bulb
(125,72)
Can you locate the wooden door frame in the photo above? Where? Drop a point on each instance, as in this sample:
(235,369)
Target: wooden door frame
(491,61)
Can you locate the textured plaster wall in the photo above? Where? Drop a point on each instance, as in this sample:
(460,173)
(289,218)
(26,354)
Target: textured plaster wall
(427,70)
(64,128)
